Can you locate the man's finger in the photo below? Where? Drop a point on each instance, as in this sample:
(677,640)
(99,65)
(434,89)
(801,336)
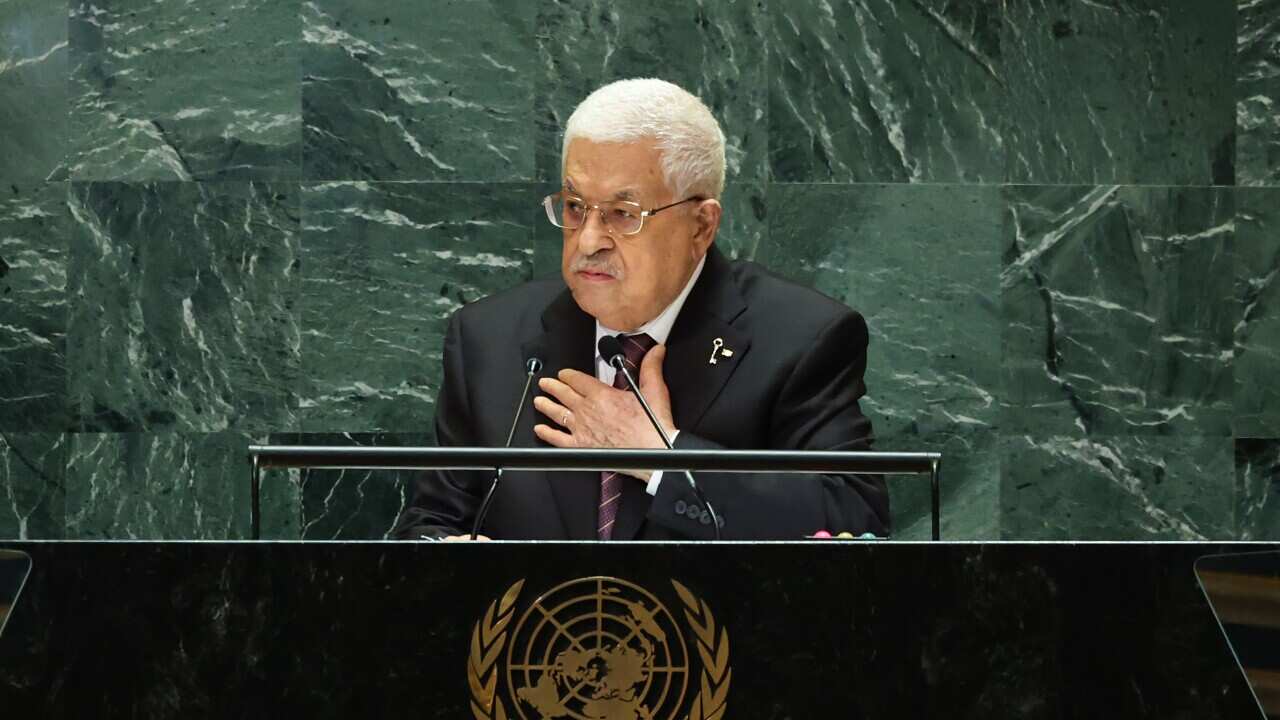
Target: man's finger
(554,437)
(582,383)
(553,410)
(562,392)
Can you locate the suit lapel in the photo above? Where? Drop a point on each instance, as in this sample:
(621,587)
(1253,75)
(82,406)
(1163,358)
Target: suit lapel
(566,342)
(693,381)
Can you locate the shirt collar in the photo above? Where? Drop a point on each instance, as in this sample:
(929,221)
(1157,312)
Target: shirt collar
(659,328)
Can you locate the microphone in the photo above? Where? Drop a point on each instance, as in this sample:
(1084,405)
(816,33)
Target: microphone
(611,350)
(532,367)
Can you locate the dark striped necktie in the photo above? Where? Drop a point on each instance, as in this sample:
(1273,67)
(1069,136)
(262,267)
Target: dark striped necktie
(633,349)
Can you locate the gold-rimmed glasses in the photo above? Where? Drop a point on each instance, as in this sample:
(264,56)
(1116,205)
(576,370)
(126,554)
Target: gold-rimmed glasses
(569,211)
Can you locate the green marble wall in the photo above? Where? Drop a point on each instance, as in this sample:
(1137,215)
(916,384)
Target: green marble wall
(232,222)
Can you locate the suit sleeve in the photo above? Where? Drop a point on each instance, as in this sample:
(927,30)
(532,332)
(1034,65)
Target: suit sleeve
(444,502)
(816,409)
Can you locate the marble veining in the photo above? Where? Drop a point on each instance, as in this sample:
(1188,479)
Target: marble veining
(33,307)
(1258,92)
(169,486)
(1118,311)
(386,264)
(717,50)
(1119,92)
(205,90)
(346,504)
(1257,330)
(32,488)
(33,89)
(920,264)
(1117,488)
(399,91)
(1257,513)
(884,91)
(183,306)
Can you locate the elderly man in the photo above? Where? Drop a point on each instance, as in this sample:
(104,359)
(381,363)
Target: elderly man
(728,355)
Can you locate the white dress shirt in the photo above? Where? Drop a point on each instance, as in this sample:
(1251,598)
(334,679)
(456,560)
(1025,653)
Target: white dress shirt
(659,329)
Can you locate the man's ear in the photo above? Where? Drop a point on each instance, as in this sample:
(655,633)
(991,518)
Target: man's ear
(707,223)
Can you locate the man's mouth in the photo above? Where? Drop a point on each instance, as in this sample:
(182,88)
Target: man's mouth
(592,276)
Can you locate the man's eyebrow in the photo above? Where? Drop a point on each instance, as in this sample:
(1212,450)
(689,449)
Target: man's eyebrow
(623,194)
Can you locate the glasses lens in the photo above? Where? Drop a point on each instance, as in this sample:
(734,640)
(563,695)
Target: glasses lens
(563,212)
(624,217)
(571,211)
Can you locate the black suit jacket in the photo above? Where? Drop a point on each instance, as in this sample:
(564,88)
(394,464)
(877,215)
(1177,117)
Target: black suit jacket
(793,382)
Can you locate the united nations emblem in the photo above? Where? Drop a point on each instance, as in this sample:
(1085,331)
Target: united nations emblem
(598,648)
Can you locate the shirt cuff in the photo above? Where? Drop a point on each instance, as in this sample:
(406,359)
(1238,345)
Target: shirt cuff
(656,478)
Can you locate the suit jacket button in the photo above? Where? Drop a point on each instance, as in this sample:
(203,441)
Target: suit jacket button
(680,507)
(693,512)
(705,518)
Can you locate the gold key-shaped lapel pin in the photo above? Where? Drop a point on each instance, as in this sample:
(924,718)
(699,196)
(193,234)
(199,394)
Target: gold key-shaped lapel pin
(715,348)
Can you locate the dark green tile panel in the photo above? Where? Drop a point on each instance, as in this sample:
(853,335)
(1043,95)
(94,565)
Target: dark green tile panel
(1257,489)
(969,482)
(385,265)
(1119,310)
(201,90)
(1257,336)
(33,307)
(350,504)
(1131,91)
(715,50)
(885,91)
(1258,93)
(32,490)
(33,89)
(1134,488)
(168,486)
(920,262)
(398,90)
(182,303)
(744,225)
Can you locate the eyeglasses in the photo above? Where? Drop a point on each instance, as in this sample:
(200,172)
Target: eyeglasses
(624,217)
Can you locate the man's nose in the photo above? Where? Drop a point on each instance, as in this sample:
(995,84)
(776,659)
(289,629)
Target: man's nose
(594,235)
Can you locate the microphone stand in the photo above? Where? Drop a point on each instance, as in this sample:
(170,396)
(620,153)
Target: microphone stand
(620,365)
(532,367)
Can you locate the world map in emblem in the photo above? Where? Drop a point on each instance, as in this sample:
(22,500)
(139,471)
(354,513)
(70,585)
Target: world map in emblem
(597,649)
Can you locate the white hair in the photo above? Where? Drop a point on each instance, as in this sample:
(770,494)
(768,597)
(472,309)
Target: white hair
(688,136)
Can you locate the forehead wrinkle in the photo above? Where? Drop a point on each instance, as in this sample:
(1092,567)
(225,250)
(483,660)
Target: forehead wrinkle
(624,194)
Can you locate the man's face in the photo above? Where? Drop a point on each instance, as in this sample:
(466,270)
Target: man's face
(624,281)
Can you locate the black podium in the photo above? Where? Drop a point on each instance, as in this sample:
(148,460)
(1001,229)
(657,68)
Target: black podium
(818,629)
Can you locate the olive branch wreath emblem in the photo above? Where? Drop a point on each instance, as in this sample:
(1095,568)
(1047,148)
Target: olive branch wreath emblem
(489,637)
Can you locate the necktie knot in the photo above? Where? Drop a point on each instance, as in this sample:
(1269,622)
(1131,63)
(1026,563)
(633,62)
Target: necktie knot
(634,347)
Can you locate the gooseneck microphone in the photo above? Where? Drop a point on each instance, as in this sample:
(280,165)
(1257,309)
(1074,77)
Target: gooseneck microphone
(611,350)
(532,367)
